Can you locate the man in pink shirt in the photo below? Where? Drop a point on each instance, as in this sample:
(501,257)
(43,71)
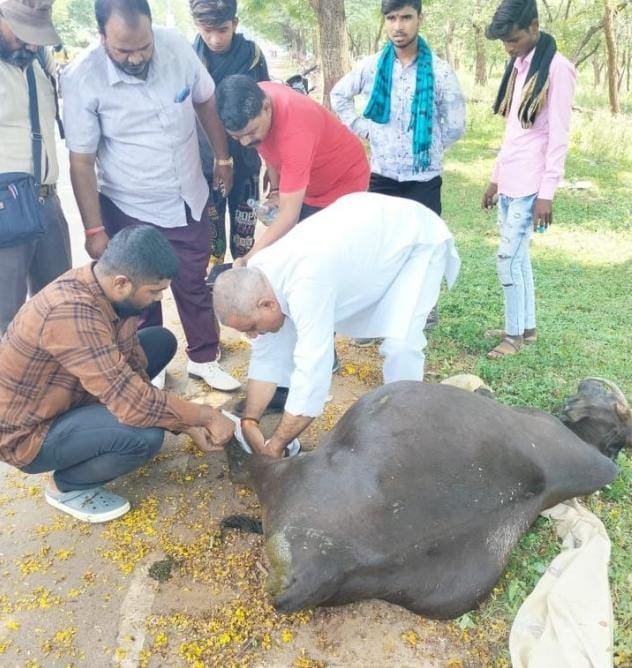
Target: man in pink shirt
(535,96)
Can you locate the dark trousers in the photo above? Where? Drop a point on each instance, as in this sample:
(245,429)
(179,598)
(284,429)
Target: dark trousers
(27,268)
(307,211)
(427,193)
(87,447)
(192,244)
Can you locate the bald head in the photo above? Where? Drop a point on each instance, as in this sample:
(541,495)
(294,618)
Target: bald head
(245,301)
(237,292)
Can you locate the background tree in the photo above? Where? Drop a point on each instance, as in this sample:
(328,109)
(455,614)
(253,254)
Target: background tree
(333,42)
(595,34)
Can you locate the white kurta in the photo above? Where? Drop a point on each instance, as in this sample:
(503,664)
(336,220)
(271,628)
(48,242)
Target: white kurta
(369,265)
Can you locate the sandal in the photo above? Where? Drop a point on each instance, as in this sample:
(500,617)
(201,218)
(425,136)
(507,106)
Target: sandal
(508,346)
(529,335)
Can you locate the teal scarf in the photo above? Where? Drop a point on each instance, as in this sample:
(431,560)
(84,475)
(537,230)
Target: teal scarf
(379,107)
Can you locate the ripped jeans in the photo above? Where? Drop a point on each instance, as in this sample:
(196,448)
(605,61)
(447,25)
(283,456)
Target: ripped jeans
(515,222)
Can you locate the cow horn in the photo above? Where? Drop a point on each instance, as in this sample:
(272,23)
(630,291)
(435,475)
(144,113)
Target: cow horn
(614,388)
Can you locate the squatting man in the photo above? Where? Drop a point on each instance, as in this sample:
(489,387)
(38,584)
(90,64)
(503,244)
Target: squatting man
(75,396)
(369,265)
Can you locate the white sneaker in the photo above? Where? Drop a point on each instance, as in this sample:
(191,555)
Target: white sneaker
(213,375)
(159,380)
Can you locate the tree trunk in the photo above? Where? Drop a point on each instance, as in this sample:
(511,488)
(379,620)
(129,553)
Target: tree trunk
(596,71)
(449,41)
(334,49)
(378,36)
(611,52)
(578,54)
(624,72)
(481,55)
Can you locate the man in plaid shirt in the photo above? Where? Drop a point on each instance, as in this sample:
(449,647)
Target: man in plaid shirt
(75,391)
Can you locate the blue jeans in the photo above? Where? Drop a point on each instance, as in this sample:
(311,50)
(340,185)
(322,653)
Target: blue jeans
(87,447)
(515,222)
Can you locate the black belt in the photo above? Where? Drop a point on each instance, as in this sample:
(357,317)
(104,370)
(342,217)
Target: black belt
(47,190)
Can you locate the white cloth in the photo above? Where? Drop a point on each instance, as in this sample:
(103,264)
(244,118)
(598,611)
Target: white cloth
(567,620)
(148,160)
(368,265)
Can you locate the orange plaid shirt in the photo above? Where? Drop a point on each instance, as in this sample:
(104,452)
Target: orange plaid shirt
(67,348)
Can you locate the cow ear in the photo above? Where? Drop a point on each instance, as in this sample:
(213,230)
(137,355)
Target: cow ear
(575,410)
(623,412)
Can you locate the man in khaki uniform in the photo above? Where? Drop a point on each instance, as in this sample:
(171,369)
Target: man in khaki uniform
(25,25)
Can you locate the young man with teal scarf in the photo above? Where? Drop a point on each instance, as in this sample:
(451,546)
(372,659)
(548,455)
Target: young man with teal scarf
(415,110)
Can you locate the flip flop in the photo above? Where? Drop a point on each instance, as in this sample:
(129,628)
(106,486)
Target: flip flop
(293,449)
(529,336)
(89,505)
(508,346)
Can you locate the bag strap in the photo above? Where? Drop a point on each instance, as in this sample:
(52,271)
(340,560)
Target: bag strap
(36,135)
(40,54)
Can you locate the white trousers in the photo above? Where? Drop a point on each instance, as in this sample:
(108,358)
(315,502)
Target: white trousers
(404,358)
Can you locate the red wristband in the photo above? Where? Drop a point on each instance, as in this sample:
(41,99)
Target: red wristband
(91,231)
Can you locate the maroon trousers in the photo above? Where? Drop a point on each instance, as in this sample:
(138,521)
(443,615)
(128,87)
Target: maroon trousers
(192,244)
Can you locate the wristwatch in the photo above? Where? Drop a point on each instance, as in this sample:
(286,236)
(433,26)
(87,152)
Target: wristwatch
(228,162)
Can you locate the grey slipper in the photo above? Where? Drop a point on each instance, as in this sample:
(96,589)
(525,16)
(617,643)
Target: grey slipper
(89,505)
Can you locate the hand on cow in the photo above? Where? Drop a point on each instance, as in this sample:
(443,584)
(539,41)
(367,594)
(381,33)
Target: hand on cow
(220,430)
(199,436)
(274,448)
(252,433)
(490,197)
(542,214)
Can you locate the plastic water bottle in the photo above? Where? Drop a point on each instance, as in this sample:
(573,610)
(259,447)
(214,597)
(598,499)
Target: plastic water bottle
(266,213)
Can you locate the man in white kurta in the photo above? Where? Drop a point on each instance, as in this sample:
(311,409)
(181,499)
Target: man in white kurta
(368,265)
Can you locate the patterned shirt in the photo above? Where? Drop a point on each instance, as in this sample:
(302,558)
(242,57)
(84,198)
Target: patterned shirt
(392,142)
(67,348)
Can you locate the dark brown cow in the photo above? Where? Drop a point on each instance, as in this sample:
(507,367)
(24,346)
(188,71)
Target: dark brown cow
(421,492)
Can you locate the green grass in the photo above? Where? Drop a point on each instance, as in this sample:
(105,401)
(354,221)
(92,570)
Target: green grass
(583,268)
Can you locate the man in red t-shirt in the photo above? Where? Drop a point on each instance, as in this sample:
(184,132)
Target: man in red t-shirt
(312,158)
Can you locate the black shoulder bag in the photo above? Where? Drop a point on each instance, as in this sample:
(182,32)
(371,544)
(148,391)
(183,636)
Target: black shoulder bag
(21,215)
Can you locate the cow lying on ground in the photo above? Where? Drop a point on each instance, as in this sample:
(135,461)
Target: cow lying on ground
(421,492)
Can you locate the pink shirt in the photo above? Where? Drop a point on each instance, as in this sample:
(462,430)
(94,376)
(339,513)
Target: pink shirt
(531,160)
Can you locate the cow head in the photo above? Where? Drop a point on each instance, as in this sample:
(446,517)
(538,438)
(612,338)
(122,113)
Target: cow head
(600,415)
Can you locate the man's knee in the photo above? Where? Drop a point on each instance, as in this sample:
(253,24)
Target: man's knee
(153,439)
(143,444)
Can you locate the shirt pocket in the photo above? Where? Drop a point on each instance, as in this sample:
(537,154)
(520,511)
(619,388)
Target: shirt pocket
(180,117)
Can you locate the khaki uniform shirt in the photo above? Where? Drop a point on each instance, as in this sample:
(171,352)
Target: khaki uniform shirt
(67,348)
(16,154)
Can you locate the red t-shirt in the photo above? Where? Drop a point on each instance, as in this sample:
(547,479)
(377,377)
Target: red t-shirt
(311,148)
